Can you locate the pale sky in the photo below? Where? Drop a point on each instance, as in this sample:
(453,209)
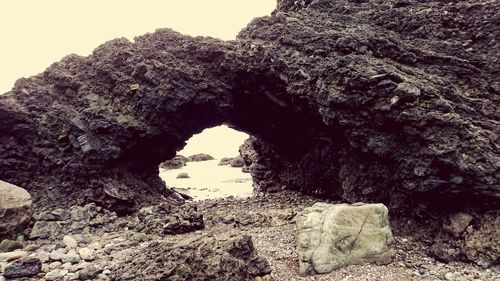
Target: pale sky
(36,33)
(220,141)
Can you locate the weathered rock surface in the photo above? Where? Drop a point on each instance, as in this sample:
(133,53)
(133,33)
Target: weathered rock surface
(23,268)
(205,258)
(381,101)
(8,245)
(225,161)
(467,238)
(177,162)
(15,209)
(331,236)
(81,221)
(200,157)
(235,162)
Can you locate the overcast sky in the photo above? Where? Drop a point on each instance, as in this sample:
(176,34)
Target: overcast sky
(36,33)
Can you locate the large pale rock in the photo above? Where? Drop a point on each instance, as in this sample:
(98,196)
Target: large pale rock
(331,236)
(15,209)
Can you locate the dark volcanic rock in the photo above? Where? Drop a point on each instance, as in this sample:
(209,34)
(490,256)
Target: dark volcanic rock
(387,101)
(203,258)
(225,161)
(235,162)
(176,163)
(26,267)
(200,157)
(167,219)
(182,176)
(91,219)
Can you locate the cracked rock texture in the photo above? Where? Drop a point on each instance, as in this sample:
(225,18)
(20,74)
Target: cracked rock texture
(374,101)
(331,236)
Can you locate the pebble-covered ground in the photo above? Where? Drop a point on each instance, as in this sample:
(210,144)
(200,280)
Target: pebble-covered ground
(268,219)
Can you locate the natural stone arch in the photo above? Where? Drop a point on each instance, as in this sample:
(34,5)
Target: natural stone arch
(342,105)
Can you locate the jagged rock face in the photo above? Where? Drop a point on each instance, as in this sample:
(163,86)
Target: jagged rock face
(389,101)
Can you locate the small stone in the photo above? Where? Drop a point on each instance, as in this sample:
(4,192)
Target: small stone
(70,242)
(8,245)
(87,254)
(109,248)
(54,265)
(449,276)
(23,268)
(95,246)
(107,272)
(3,265)
(11,256)
(134,87)
(71,257)
(89,272)
(43,256)
(71,276)
(55,274)
(31,248)
(102,277)
(67,266)
(58,254)
(457,223)
(45,268)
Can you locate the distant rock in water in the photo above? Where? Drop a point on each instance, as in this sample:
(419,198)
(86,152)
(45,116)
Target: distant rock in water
(183,176)
(176,163)
(225,161)
(235,162)
(238,162)
(200,157)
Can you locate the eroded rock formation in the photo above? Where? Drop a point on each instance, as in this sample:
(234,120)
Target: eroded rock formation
(387,101)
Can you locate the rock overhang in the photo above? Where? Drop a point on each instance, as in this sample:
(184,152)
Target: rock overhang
(343,102)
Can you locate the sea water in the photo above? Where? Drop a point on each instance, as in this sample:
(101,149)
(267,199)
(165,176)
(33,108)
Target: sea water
(208,180)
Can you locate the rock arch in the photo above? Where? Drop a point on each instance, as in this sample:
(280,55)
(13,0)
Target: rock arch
(343,102)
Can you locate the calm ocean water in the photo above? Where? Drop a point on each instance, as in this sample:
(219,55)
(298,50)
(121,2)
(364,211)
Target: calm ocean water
(208,180)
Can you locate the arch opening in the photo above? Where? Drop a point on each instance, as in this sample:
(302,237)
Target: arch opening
(210,166)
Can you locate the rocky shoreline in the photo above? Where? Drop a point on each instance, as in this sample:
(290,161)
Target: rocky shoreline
(142,246)
(393,102)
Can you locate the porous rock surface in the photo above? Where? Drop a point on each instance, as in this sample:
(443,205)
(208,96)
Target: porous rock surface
(382,101)
(205,258)
(15,209)
(331,236)
(90,219)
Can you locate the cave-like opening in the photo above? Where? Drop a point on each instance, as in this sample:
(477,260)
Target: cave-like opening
(210,166)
